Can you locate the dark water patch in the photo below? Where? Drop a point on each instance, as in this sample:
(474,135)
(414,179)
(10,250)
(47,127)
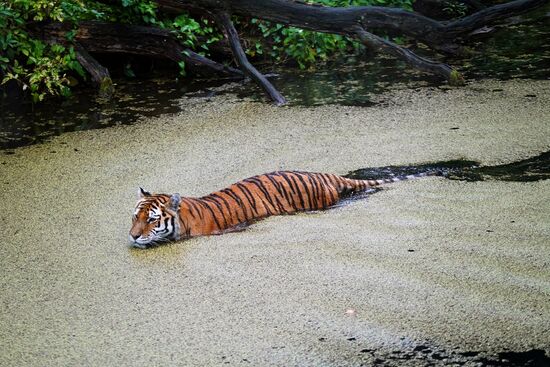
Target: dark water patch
(532,169)
(22,123)
(354,81)
(439,168)
(520,48)
(426,355)
(532,358)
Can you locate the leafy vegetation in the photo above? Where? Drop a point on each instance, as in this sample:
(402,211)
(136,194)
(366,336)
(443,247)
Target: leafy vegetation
(43,69)
(306,48)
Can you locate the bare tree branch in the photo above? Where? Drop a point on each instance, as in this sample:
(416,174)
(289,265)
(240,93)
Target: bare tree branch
(99,74)
(224,20)
(379,44)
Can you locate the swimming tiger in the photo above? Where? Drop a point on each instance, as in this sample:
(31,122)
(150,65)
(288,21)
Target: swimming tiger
(161,218)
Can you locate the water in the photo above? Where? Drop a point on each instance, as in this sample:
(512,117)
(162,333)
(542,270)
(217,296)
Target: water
(22,123)
(353,82)
(519,49)
(532,169)
(429,268)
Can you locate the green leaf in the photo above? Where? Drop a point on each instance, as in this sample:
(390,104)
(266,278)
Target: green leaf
(70,35)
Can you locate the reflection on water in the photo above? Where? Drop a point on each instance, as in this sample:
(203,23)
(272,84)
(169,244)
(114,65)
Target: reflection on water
(518,49)
(350,83)
(531,169)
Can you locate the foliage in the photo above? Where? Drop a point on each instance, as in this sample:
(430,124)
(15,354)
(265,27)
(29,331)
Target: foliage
(281,43)
(43,68)
(455,8)
(39,67)
(306,48)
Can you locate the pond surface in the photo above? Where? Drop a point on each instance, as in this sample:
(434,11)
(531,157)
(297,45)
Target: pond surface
(418,274)
(520,49)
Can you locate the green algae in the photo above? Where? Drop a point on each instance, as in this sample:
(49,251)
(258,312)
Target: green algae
(281,292)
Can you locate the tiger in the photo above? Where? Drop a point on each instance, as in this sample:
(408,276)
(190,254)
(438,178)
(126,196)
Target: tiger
(162,218)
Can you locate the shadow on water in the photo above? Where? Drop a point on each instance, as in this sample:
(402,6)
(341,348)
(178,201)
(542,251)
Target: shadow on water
(531,169)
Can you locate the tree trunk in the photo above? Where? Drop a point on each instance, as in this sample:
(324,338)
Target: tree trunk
(103,37)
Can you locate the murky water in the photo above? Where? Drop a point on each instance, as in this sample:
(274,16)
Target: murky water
(22,123)
(355,82)
(517,49)
(532,169)
(420,273)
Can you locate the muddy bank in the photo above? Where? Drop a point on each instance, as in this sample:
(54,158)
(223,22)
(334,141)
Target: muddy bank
(307,289)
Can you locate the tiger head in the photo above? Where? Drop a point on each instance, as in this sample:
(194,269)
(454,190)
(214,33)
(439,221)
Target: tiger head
(155,219)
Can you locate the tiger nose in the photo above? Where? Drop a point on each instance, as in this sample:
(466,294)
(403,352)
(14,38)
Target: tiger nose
(135,237)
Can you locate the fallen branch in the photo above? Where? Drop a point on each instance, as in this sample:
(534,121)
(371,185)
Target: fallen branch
(225,22)
(360,21)
(103,37)
(99,74)
(379,44)
(354,22)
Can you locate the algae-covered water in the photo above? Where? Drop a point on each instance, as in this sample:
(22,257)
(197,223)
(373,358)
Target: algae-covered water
(428,271)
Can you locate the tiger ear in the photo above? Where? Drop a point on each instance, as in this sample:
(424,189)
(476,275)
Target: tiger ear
(142,193)
(175,201)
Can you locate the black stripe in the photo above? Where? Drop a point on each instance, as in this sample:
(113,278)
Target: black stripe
(163,231)
(314,182)
(317,191)
(226,204)
(189,206)
(259,184)
(329,188)
(186,228)
(291,183)
(283,175)
(238,200)
(266,207)
(219,207)
(334,183)
(322,191)
(197,209)
(204,204)
(182,225)
(306,190)
(282,193)
(249,196)
(173,226)
(341,183)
